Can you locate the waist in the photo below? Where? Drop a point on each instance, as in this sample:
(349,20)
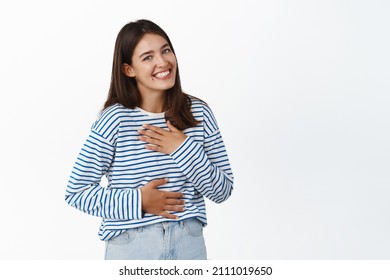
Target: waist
(111,228)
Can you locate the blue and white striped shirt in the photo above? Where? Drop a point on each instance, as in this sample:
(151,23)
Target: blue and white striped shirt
(198,168)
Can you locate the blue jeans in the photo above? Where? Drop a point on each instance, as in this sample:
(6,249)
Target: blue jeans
(181,240)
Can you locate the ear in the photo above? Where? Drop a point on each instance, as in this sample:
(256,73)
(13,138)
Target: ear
(128,70)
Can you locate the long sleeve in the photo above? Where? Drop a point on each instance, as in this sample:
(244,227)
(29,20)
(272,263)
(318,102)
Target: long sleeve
(84,191)
(207,166)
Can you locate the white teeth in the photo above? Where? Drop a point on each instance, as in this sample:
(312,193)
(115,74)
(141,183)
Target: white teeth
(162,74)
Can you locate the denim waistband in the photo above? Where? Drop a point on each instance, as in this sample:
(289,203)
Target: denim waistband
(166,225)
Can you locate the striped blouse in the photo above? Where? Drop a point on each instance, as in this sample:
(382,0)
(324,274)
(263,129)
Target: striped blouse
(198,168)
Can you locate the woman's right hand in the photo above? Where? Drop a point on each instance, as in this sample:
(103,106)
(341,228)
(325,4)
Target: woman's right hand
(159,202)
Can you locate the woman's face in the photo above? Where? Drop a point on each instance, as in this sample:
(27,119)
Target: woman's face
(153,65)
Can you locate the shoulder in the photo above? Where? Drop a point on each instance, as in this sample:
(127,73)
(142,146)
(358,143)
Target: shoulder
(202,112)
(109,120)
(199,106)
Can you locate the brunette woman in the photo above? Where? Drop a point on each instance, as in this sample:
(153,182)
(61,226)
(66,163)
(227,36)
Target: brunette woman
(161,151)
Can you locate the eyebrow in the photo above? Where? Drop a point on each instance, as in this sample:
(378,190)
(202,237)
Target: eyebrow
(149,52)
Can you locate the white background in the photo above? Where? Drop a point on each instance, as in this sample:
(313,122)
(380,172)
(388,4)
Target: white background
(300,90)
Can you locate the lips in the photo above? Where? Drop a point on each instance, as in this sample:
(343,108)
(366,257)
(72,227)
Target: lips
(163,74)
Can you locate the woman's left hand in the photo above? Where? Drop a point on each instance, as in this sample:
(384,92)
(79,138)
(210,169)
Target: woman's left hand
(161,140)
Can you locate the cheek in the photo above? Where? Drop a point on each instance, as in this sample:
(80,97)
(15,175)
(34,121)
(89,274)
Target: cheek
(174,65)
(145,71)
(174,61)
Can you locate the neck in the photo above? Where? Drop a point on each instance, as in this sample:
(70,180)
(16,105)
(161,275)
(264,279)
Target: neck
(154,103)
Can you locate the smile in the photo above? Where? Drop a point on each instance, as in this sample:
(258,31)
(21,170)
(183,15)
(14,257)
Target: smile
(162,75)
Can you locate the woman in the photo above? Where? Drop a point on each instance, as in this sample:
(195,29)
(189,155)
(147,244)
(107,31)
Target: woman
(161,151)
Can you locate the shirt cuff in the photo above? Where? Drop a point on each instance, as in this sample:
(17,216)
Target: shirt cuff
(137,206)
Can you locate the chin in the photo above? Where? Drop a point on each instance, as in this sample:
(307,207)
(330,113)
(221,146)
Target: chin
(169,86)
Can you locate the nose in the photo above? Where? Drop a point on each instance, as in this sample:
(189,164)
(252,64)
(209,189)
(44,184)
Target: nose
(161,61)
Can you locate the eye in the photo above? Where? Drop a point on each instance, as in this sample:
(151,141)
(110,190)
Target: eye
(149,57)
(167,50)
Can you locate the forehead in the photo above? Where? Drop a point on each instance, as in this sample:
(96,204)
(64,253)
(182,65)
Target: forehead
(149,42)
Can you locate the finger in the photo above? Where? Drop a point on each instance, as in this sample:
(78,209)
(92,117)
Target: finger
(149,133)
(174,195)
(153,148)
(158,182)
(171,201)
(168,215)
(177,208)
(171,127)
(149,140)
(156,129)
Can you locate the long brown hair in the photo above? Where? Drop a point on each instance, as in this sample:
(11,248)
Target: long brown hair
(124,89)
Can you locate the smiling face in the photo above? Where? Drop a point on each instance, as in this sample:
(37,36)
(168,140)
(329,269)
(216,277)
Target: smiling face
(153,65)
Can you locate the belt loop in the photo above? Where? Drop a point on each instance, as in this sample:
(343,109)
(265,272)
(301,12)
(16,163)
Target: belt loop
(181,224)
